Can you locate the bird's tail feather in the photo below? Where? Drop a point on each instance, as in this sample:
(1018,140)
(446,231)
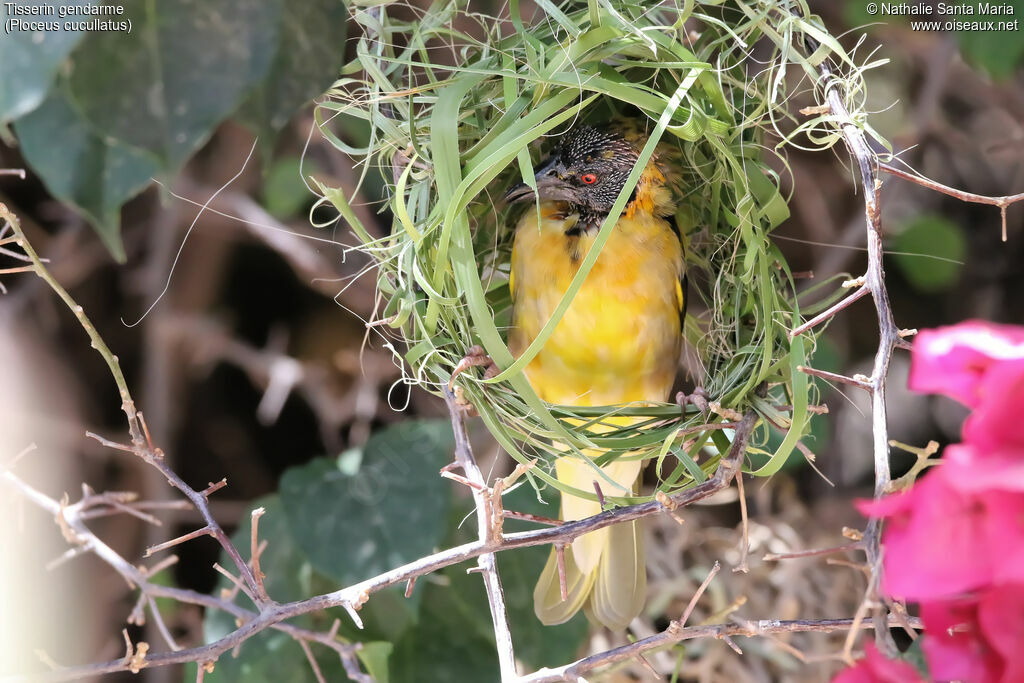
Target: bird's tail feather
(605,572)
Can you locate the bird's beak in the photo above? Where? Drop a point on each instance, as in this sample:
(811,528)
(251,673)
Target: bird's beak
(549,187)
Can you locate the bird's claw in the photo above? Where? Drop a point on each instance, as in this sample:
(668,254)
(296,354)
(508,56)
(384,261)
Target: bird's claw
(475,357)
(698,398)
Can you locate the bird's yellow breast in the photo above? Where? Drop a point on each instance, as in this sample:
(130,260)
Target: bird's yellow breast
(620,339)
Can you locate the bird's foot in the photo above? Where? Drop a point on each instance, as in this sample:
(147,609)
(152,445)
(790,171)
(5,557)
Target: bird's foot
(698,398)
(475,357)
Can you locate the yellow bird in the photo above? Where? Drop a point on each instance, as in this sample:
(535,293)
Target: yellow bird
(619,341)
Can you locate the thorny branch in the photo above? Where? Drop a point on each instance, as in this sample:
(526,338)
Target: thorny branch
(873,281)
(489,520)
(889,335)
(676,632)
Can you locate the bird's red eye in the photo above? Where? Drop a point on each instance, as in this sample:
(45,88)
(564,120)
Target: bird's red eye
(588,178)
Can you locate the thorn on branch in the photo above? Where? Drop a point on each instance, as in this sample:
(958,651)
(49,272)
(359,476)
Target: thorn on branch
(647,665)
(856,381)
(205,531)
(833,309)
(772,557)
(696,596)
(255,551)
(312,660)
(159,566)
(239,586)
(214,487)
(731,643)
(134,657)
(520,469)
(816,110)
(448,474)
(527,517)
(855,282)
(9,465)
(728,413)
(69,554)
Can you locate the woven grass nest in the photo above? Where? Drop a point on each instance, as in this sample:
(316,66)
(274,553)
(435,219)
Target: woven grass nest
(460,105)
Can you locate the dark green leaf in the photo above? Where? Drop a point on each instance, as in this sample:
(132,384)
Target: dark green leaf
(923,238)
(358,516)
(915,655)
(307,53)
(182,69)
(29,59)
(456,644)
(96,175)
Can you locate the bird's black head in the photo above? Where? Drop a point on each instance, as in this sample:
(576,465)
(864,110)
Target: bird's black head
(588,169)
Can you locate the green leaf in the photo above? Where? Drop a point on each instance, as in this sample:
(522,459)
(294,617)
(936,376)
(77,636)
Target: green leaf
(459,645)
(284,193)
(927,252)
(374,657)
(29,59)
(139,103)
(96,175)
(374,515)
(307,56)
(915,655)
(182,69)
(456,643)
(999,52)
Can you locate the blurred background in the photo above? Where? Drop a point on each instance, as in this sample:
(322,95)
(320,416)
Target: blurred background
(242,334)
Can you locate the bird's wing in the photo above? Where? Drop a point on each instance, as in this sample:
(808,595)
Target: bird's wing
(683,283)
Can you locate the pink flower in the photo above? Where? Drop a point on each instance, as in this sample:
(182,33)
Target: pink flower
(976,640)
(996,424)
(954,360)
(877,668)
(941,540)
(972,470)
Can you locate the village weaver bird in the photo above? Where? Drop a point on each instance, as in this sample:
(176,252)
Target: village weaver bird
(619,341)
